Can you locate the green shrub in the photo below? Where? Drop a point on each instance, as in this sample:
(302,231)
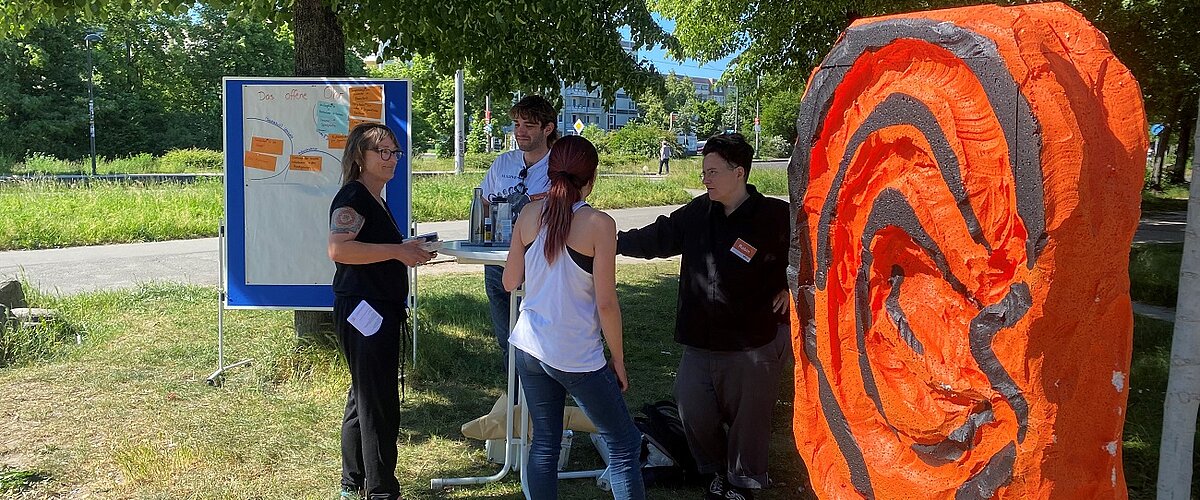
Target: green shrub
(598,137)
(137,164)
(192,160)
(7,162)
(636,139)
(614,161)
(42,163)
(774,146)
(478,161)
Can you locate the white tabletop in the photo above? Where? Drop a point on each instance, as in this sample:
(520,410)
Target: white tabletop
(467,253)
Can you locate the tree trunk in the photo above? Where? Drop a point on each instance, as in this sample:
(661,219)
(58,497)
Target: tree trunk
(320,42)
(1175,466)
(320,51)
(1186,125)
(1160,155)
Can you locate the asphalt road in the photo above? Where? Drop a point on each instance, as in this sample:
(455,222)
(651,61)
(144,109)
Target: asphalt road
(107,267)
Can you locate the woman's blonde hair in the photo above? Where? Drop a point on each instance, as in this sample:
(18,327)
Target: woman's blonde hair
(364,137)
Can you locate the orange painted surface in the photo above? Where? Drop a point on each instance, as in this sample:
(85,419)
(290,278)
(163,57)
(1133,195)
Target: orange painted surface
(1068,355)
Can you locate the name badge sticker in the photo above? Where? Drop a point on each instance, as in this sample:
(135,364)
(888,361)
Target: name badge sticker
(743,250)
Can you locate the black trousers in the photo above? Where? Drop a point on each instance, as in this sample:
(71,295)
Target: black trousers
(664,164)
(371,423)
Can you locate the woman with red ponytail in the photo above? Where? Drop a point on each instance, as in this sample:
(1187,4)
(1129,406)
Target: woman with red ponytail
(565,253)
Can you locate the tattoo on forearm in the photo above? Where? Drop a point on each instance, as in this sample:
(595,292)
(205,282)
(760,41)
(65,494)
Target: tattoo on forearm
(345,221)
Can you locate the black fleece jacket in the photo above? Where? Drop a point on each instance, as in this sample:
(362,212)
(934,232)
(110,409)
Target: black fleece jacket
(724,302)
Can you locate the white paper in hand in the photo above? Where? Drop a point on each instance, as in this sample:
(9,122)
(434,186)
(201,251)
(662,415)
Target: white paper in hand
(365,319)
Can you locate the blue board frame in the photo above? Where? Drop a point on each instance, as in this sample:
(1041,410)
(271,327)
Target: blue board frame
(239,294)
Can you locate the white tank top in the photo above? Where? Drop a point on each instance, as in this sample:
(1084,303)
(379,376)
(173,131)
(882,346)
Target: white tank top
(559,323)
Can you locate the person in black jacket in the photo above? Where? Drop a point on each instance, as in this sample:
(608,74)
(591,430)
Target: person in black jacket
(732,315)
(371,281)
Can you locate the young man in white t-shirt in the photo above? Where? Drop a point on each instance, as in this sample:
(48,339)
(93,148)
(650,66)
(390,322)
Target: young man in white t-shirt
(518,176)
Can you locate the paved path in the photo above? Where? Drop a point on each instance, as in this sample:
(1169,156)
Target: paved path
(81,269)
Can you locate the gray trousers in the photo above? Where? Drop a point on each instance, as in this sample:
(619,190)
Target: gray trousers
(725,400)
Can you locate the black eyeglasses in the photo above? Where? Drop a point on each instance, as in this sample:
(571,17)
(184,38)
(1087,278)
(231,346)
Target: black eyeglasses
(386,154)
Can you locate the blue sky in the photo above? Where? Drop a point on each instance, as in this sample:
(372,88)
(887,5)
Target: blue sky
(665,64)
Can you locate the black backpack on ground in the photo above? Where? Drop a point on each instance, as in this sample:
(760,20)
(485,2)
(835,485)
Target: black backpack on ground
(662,429)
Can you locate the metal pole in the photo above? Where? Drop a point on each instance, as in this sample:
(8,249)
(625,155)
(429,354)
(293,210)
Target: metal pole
(736,100)
(487,122)
(458,122)
(91,100)
(757,100)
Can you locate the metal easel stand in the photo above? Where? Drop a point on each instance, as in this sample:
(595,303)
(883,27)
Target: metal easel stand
(217,378)
(412,302)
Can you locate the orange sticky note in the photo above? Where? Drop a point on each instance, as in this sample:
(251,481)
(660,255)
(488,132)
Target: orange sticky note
(337,141)
(367,109)
(305,163)
(261,161)
(354,122)
(266,145)
(366,94)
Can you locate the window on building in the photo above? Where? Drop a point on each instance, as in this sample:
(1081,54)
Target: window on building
(612,121)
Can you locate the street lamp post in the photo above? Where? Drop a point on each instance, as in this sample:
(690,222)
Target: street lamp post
(88,39)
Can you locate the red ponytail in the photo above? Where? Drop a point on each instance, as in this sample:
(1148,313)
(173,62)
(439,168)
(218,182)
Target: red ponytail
(573,161)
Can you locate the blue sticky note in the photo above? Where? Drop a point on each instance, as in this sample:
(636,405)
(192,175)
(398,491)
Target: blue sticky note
(332,118)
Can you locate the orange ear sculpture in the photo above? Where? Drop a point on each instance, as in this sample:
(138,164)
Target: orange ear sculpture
(965,187)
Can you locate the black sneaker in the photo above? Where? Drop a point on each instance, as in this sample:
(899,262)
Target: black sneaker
(717,488)
(350,493)
(735,493)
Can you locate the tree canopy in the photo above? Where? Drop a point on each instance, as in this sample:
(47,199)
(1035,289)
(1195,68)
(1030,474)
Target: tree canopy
(529,45)
(1157,40)
(158,81)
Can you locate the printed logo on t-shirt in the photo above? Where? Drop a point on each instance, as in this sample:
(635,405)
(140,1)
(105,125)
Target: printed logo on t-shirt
(743,250)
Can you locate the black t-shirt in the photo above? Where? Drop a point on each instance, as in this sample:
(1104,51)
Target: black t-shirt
(387,280)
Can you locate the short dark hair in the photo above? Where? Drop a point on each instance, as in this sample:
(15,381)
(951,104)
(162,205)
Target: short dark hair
(537,108)
(732,148)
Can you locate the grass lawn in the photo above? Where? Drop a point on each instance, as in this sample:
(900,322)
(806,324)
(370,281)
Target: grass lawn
(1143,423)
(43,214)
(127,413)
(1154,273)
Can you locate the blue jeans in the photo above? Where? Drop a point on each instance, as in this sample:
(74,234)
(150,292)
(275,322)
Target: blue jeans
(599,396)
(499,300)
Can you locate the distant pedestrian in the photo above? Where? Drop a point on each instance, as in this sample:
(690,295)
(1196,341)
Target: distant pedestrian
(664,158)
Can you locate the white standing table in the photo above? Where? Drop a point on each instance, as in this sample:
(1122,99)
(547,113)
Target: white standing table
(516,447)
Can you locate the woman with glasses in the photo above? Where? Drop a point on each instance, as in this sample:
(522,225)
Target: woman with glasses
(370,285)
(565,253)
